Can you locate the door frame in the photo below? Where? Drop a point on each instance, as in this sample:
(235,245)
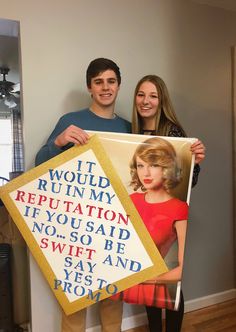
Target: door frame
(233,81)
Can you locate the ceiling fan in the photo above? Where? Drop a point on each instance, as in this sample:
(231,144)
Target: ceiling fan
(9,91)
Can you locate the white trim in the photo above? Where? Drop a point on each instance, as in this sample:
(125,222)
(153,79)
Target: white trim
(177,298)
(205,301)
(199,303)
(134,321)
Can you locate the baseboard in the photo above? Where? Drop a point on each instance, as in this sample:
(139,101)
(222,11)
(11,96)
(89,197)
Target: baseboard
(134,321)
(206,301)
(199,303)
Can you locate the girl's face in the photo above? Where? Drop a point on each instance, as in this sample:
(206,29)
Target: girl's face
(147,100)
(150,175)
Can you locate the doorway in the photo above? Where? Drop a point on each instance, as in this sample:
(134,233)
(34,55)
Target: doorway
(14,305)
(233,57)
(11,140)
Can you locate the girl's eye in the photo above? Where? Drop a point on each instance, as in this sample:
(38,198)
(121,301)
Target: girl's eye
(139,166)
(140,94)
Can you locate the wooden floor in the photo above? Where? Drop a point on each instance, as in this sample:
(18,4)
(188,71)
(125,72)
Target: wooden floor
(217,318)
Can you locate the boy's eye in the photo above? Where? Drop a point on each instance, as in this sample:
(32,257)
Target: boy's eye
(109,81)
(112,81)
(97,82)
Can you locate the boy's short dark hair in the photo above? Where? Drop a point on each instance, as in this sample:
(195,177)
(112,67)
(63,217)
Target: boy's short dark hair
(100,65)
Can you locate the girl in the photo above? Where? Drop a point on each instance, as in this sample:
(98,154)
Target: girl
(153,114)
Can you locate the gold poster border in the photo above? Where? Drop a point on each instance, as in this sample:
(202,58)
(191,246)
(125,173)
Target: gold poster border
(95,145)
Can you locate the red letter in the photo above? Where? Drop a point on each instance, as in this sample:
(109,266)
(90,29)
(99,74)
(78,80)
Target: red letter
(42,198)
(20,195)
(44,241)
(31,198)
(90,252)
(58,246)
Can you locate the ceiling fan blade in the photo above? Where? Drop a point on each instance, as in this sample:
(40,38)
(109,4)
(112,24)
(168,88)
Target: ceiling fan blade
(6,87)
(15,87)
(10,101)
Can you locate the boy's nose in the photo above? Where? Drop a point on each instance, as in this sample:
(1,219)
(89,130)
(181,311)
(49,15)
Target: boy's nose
(105,86)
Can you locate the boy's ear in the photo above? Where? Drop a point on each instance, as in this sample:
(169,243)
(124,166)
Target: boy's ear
(90,91)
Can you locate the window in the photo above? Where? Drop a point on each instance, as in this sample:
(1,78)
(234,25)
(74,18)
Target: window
(6,147)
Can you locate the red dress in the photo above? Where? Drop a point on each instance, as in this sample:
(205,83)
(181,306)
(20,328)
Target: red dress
(159,218)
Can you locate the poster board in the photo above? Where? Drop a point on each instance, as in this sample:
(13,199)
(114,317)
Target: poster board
(76,216)
(80,225)
(121,158)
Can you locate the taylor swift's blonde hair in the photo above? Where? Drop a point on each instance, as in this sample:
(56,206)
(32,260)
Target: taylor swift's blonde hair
(166,116)
(156,151)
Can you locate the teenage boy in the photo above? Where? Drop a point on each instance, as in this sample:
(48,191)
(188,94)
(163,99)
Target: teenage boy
(103,83)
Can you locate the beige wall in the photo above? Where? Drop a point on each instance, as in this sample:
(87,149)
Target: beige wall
(188,45)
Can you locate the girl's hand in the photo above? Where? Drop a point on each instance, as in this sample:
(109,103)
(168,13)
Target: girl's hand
(199,150)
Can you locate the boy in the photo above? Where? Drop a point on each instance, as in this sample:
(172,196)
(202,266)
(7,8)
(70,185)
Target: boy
(103,83)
